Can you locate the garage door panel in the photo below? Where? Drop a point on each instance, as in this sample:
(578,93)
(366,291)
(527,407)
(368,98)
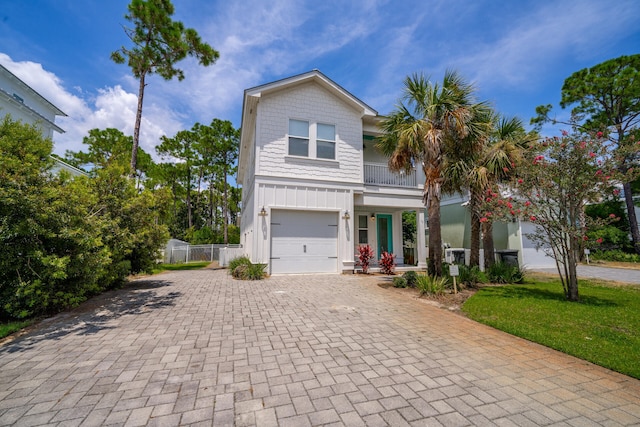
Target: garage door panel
(311,265)
(302,246)
(303,242)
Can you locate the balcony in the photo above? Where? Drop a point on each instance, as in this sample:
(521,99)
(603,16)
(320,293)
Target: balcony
(379,174)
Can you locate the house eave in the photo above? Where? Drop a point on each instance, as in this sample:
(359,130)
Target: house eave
(26,87)
(9,99)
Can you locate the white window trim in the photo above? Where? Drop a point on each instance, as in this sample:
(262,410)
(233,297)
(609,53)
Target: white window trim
(307,138)
(312,153)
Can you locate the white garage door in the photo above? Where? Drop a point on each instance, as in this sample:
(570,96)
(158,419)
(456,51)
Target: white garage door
(304,242)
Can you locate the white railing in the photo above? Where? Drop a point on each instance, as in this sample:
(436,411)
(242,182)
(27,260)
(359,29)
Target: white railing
(379,174)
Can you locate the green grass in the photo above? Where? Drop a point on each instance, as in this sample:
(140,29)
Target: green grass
(175,267)
(11,327)
(603,328)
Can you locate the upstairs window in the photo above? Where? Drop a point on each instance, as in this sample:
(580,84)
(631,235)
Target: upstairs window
(298,138)
(326,141)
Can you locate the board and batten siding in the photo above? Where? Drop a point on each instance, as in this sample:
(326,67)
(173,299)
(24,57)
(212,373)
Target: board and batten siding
(312,103)
(301,197)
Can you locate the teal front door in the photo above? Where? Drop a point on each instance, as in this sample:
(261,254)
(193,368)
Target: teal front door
(385,234)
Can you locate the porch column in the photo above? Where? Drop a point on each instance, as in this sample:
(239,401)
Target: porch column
(421,244)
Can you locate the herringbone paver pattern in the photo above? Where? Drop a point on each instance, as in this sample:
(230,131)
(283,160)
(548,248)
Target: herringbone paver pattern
(198,348)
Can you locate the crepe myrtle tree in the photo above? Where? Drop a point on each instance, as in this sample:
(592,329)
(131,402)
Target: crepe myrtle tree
(159,43)
(557,178)
(606,97)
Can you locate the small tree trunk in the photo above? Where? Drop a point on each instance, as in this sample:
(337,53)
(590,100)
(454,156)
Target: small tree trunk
(435,235)
(136,129)
(210,218)
(487,243)
(572,280)
(189,220)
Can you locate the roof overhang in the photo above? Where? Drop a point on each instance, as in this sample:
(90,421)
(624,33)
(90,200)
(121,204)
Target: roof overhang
(9,99)
(27,88)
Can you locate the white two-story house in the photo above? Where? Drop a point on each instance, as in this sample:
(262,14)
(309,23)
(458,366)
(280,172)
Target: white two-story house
(23,103)
(314,187)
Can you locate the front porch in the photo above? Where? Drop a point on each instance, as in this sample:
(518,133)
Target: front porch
(397,231)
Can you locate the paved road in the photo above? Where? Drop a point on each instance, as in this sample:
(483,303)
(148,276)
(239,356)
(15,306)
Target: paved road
(198,348)
(625,275)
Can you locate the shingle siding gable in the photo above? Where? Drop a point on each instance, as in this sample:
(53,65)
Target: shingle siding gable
(315,104)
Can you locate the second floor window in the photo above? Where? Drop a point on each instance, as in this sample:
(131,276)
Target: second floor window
(307,139)
(298,138)
(326,141)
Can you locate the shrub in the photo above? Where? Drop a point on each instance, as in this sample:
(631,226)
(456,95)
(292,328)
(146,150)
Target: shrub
(431,285)
(387,263)
(365,255)
(410,277)
(399,282)
(239,271)
(616,255)
(254,272)
(471,276)
(242,268)
(501,272)
(243,260)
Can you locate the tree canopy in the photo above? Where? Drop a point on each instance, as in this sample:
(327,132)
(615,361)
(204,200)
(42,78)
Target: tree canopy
(430,119)
(159,43)
(606,98)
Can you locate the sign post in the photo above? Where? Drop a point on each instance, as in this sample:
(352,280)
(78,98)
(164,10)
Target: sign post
(454,272)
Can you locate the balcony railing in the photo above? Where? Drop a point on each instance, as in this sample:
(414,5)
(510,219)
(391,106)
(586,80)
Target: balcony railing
(379,174)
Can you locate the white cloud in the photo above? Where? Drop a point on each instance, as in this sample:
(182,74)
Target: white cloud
(111,107)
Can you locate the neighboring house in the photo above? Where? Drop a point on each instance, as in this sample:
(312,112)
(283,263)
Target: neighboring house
(313,185)
(25,104)
(510,238)
(59,165)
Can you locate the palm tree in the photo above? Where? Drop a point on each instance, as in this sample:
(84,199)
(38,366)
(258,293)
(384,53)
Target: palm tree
(508,142)
(462,170)
(476,166)
(427,118)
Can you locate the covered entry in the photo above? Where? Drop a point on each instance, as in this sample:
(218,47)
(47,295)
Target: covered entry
(304,242)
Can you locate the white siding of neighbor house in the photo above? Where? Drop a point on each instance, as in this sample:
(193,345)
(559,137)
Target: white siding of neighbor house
(32,108)
(308,102)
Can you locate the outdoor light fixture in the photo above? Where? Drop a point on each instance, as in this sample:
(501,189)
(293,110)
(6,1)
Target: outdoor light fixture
(262,212)
(346,215)
(373,217)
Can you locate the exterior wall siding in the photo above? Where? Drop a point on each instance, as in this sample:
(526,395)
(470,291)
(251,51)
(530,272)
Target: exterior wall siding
(308,102)
(32,108)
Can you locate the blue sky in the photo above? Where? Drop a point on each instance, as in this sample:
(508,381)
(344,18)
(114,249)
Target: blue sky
(517,53)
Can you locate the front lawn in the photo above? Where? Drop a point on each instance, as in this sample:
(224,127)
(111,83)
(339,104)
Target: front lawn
(603,328)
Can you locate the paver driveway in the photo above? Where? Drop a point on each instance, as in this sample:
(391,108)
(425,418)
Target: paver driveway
(197,347)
